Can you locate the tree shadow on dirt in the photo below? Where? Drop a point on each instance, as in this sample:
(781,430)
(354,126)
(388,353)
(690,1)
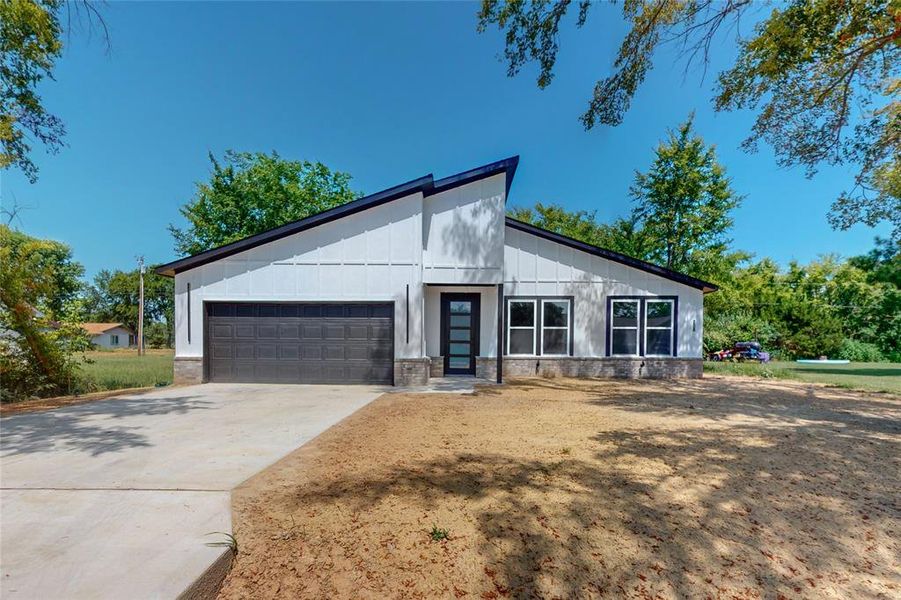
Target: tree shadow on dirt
(89,427)
(747,496)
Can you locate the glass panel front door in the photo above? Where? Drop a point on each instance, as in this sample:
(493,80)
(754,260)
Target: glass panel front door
(460,335)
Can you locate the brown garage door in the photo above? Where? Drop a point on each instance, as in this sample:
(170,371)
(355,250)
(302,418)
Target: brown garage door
(299,342)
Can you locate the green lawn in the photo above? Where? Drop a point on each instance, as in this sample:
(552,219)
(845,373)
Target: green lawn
(877,377)
(125,369)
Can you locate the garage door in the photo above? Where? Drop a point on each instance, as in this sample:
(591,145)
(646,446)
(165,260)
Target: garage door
(299,343)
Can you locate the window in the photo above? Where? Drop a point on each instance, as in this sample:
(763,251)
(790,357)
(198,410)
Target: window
(131,340)
(658,327)
(521,327)
(114,340)
(555,327)
(624,327)
(539,326)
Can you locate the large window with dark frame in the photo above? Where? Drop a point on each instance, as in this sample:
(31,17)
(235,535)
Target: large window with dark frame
(642,326)
(521,327)
(555,331)
(624,326)
(658,333)
(539,326)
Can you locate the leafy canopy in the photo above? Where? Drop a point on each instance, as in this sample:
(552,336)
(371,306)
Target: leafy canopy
(40,315)
(681,217)
(684,201)
(113,298)
(822,76)
(30,43)
(249,193)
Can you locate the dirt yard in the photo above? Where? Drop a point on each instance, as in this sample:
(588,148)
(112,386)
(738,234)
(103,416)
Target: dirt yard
(719,488)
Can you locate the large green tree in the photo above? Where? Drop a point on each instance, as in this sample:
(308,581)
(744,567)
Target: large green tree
(623,235)
(31,33)
(684,202)
(821,76)
(39,315)
(252,192)
(113,297)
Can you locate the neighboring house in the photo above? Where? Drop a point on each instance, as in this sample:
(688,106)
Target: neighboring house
(110,335)
(425,279)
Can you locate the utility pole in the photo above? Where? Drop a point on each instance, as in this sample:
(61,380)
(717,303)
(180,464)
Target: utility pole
(141,306)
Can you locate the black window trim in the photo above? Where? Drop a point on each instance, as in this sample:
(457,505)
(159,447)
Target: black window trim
(539,324)
(642,302)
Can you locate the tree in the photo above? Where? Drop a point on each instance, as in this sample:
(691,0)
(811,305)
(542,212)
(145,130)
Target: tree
(39,315)
(114,298)
(817,72)
(684,202)
(623,235)
(30,42)
(253,192)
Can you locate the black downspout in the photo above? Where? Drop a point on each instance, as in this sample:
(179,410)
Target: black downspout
(500,333)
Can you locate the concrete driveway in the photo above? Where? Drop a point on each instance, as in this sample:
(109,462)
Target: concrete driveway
(115,498)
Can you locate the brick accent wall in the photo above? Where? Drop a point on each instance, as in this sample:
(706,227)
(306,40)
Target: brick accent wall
(437,367)
(486,367)
(187,370)
(412,371)
(627,368)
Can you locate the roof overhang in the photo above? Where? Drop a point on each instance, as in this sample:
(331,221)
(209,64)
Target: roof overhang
(624,259)
(426,184)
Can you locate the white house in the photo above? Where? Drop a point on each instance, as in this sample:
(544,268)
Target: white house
(425,279)
(109,335)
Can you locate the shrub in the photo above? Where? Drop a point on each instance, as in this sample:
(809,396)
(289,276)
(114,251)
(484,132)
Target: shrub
(856,351)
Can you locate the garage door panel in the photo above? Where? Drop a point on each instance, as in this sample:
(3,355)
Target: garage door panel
(334,353)
(243,351)
(266,352)
(335,343)
(267,331)
(289,331)
(312,332)
(245,330)
(288,352)
(225,331)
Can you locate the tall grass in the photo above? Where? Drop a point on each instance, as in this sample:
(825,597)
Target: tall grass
(113,370)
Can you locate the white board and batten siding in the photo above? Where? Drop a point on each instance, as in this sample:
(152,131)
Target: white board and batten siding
(371,256)
(463,233)
(535,266)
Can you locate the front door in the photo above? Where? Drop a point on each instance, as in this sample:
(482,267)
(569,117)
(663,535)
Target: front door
(460,333)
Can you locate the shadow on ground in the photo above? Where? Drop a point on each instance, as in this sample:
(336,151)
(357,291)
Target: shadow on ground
(571,490)
(89,427)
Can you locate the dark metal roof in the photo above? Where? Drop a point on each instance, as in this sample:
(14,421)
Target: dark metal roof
(426,184)
(508,166)
(614,256)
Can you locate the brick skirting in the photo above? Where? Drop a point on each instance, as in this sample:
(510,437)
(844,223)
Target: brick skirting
(412,371)
(187,369)
(417,371)
(627,368)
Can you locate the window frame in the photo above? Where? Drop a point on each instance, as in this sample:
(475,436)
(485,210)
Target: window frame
(568,327)
(114,339)
(534,327)
(637,327)
(642,322)
(537,335)
(672,324)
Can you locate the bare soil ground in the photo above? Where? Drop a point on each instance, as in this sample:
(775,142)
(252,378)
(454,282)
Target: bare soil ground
(718,488)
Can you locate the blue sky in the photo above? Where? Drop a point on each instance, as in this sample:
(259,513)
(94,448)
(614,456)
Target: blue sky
(386,92)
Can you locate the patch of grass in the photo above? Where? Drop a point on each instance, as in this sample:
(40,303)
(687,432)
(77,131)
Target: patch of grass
(229,542)
(439,535)
(876,377)
(105,370)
